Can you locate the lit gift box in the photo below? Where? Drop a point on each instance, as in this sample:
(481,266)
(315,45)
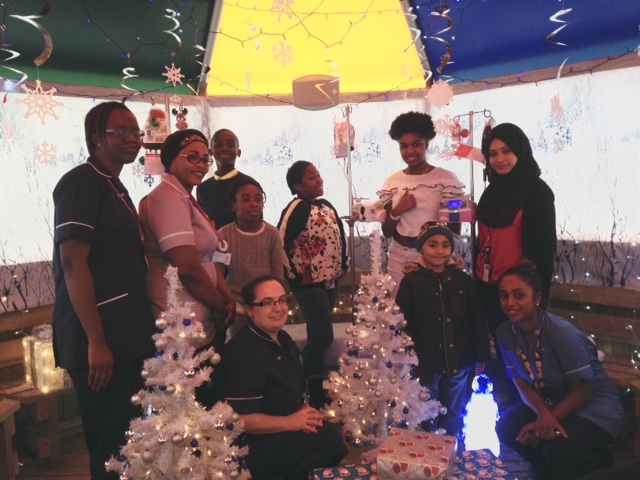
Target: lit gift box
(39,362)
(479,464)
(360,471)
(411,455)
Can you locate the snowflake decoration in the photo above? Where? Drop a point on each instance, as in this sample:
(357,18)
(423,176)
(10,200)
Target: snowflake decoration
(175,99)
(40,102)
(173,75)
(248,79)
(8,129)
(558,145)
(440,94)
(137,171)
(557,110)
(449,153)
(443,125)
(282,7)
(149,180)
(282,53)
(45,153)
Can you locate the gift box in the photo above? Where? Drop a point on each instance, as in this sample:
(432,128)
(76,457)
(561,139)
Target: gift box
(39,362)
(411,455)
(360,471)
(479,464)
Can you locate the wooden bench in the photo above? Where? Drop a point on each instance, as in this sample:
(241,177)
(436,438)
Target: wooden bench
(611,316)
(41,432)
(8,458)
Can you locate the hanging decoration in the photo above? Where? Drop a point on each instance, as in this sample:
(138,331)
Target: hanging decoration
(173,75)
(442,11)
(40,102)
(156,130)
(48,43)
(555,18)
(129,72)
(181,117)
(440,94)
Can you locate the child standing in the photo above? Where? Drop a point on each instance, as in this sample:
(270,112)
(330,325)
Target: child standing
(445,320)
(316,251)
(255,246)
(213,193)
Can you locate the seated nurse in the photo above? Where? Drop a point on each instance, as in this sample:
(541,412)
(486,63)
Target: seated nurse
(570,410)
(262,379)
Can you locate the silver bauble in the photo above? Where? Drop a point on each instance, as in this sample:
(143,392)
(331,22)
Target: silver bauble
(161,323)
(442,410)
(215,358)
(423,396)
(235,417)
(147,456)
(393,380)
(234,474)
(177,438)
(377,393)
(136,399)
(161,344)
(171,389)
(144,374)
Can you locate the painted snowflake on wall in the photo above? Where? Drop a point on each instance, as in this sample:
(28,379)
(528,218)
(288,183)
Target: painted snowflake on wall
(282,7)
(45,153)
(40,102)
(282,52)
(137,171)
(443,125)
(173,75)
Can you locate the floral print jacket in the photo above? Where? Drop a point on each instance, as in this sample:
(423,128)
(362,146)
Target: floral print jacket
(314,243)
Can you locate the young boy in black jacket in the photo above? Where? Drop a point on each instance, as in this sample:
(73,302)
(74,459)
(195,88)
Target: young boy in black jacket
(445,320)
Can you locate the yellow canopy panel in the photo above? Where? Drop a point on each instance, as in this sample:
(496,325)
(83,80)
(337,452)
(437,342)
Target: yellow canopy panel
(261,46)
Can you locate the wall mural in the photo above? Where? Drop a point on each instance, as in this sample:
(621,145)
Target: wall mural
(587,148)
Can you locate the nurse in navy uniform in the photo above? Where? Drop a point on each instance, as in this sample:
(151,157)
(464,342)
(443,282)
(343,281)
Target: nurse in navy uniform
(102,321)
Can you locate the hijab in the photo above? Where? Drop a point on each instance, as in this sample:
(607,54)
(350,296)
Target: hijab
(506,194)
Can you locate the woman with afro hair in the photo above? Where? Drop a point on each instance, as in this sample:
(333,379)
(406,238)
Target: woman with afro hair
(413,195)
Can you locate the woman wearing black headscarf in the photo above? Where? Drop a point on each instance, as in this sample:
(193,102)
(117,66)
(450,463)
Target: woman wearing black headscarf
(516,217)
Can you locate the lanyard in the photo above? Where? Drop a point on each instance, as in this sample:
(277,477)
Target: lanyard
(537,376)
(129,204)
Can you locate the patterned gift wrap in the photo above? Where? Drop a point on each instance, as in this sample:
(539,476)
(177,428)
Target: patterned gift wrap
(410,455)
(479,464)
(360,471)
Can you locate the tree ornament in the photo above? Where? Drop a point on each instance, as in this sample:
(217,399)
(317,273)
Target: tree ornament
(147,456)
(171,389)
(177,438)
(136,399)
(190,373)
(161,323)
(161,344)
(162,440)
(215,359)
(442,410)
(144,374)
(173,75)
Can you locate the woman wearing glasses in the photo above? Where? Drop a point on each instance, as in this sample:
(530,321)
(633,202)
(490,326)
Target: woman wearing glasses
(102,323)
(263,381)
(179,233)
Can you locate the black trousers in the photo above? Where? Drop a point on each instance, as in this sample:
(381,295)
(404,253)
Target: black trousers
(584,451)
(106,414)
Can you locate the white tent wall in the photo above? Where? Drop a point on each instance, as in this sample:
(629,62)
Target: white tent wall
(581,128)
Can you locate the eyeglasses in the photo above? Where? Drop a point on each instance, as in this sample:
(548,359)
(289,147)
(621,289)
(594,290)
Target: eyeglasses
(271,303)
(196,159)
(123,132)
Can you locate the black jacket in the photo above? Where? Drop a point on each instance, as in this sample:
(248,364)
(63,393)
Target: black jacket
(445,320)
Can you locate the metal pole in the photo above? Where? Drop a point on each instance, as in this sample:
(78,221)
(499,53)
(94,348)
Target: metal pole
(351,233)
(472,234)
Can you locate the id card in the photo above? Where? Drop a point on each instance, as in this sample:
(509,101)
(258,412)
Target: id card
(221,257)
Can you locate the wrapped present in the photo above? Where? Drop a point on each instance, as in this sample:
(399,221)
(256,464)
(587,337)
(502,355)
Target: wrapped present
(360,471)
(39,362)
(479,464)
(411,455)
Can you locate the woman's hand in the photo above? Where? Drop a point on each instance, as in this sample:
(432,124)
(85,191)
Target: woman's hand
(307,419)
(406,202)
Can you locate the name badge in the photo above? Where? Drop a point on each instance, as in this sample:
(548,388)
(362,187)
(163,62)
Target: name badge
(221,257)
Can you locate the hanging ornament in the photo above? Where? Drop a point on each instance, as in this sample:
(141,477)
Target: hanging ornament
(181,117)
(156,130)
(48,44)
(40,102)
(555,18)
(440,94)
(161,323)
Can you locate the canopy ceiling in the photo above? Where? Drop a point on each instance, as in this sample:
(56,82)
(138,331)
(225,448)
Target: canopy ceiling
(256,48)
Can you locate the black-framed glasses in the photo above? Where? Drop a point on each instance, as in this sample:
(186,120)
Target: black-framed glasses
(196,159)
(123,132)
(271,303)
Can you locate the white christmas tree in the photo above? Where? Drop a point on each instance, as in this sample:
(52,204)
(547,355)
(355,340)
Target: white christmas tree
(376,387)
(177,437)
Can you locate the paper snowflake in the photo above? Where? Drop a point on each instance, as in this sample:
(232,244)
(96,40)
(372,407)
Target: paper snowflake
(173,75)
(282,7)
(449,153)
(282,52)
(440,94)
(45,153)
(137,171)
(443,125)
(175,100)
(40,102)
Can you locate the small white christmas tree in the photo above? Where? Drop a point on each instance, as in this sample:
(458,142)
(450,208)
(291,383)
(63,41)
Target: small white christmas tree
(177,437)
(376,387)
